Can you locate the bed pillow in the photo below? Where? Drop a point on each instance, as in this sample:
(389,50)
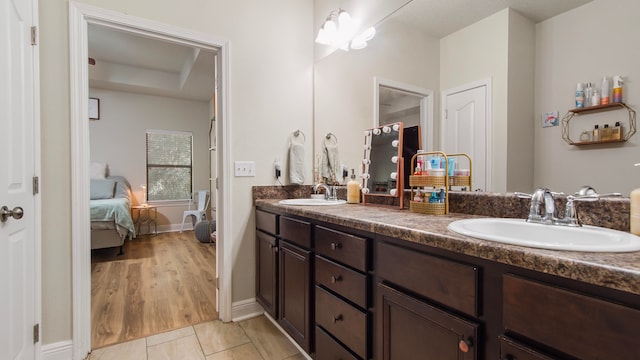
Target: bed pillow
(98,170)
(102,189)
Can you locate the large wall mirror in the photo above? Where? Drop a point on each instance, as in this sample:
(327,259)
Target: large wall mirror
(411,48)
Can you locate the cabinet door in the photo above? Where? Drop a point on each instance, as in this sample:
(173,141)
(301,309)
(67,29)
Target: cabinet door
(409,329)
(267,272)
(295,293)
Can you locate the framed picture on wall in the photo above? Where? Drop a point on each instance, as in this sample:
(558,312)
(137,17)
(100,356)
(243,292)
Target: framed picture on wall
(94,109)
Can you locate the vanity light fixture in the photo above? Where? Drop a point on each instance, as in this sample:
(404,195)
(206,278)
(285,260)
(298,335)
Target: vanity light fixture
(339,29)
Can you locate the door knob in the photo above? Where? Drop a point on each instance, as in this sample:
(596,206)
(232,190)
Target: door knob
(16,213)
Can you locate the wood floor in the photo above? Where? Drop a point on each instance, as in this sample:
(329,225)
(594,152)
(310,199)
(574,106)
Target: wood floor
(161,283)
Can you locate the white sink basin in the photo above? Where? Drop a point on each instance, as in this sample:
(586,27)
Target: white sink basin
(312,202)
(520,232)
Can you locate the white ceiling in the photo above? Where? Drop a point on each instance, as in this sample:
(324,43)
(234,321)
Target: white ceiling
(134,63)
(440,18)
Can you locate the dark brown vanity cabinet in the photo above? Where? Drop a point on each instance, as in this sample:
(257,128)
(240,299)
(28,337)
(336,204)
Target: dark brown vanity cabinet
(267,261)
(566,322)
(295,287)
(343,319)
(412,293)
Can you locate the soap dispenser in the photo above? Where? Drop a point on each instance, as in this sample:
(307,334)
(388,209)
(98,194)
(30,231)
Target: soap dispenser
(353,189)
(635,210)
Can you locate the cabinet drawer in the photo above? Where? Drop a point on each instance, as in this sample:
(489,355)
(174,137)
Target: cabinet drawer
(329,349)
(267,222)
(343,321)
(512,350)
(342,247)
(295,231)
(578,325)
(344,281)
(447,282)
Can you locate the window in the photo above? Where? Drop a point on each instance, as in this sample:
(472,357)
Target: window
(169,165)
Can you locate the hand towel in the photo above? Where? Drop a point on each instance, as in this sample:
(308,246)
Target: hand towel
(296,161)
(330,161)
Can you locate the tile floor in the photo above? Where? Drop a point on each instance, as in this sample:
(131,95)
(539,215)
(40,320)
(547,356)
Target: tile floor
(252,339)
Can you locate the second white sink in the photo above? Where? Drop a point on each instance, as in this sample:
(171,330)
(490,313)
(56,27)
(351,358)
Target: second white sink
(520,232)
(312,202)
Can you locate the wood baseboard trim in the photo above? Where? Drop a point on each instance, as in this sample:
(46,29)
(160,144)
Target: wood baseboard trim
(62,350)
(245,309)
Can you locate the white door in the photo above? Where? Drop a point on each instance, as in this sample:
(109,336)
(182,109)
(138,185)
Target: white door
(466,129)
(17,236)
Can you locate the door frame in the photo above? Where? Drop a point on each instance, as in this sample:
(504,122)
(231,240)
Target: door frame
(80,15)
(487,83)
(426,107)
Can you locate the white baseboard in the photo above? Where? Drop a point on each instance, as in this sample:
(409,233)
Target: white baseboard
(245,309)
(62,350)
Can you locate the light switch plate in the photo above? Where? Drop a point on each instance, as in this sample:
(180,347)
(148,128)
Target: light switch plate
(245,168)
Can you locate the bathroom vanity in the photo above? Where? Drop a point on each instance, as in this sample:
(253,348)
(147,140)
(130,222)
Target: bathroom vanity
(373,282)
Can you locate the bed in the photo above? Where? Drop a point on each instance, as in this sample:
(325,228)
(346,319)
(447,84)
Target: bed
(111,222)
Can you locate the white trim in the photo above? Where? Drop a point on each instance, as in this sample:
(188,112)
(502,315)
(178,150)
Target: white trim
(426,107)
(168,132)
(58,351)
(246,309)
(37,171)
(80,15)
(487,82)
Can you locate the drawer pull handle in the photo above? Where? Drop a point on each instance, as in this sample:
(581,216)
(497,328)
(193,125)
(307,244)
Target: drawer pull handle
(465,345)
(335,246)
(337,318)
(335,279)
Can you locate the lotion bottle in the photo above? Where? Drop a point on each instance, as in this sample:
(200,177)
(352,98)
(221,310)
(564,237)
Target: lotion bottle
(634,219)
(353,189)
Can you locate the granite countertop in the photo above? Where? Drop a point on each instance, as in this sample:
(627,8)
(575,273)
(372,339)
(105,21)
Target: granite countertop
(620,271)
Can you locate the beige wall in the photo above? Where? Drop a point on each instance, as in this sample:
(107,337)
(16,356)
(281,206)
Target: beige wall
(474,53)
(344,84)
(118,139)
(500,47)
(270,89)
(597,39)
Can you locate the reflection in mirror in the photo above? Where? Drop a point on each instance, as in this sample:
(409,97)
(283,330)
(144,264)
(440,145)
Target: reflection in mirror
(383,162)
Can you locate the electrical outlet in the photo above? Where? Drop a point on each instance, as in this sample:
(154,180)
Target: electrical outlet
(245,168)
(278,169)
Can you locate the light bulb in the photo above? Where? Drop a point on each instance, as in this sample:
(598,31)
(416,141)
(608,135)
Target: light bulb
(368,34)
(394,159)
(330,29)
(396,127)
(322,37)
(386,129)
(376,131)
(365,190)
(393,175)
(393,192)
(395,143)
(366,161)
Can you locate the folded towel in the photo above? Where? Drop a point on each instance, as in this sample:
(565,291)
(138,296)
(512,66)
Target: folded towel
(330,161)
(296,162)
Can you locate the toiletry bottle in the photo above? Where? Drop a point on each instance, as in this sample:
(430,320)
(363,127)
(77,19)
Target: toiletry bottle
(595,99)
(617,89)
(605,133)
(579,96)
(635,210)
(605,91)
(353,189)
(617,131)
(596,133)
(588,94)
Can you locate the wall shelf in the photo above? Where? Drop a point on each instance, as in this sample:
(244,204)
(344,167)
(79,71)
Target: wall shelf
(630,130)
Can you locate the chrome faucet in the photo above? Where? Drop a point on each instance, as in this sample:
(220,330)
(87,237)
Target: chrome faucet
(329,192)
(542,196)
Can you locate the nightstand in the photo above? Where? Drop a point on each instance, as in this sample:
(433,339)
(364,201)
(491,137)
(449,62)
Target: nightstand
(146,215)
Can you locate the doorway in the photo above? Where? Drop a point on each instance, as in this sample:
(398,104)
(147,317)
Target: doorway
(466,127)
(81,15)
